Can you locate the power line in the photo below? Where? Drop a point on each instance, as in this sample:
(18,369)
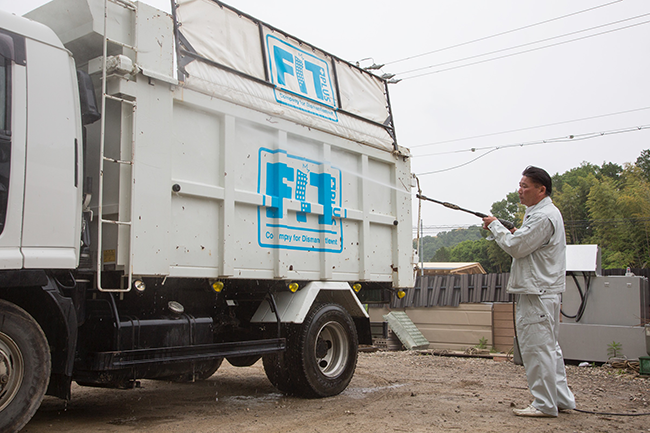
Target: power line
(577,137)
(502,33)
(528,128)
(523,45)
(524,52)
(457,166)
(563,139)
(548,141)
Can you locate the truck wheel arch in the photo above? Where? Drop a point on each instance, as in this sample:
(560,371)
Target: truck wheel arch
(294,307)
(56,315)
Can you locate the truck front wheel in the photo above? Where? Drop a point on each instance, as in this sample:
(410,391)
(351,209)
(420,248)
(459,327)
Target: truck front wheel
(24,367)
(321,354)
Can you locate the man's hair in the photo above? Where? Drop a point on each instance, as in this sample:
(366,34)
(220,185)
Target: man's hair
(540,177)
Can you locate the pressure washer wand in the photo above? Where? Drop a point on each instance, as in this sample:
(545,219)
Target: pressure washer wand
(506,224)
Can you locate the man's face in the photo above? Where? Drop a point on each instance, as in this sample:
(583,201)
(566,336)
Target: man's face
(530,193)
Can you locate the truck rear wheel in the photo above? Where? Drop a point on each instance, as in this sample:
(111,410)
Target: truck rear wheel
(321,356)
(24,367)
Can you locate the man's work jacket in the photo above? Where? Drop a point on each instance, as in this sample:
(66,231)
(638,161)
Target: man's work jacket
(538,250)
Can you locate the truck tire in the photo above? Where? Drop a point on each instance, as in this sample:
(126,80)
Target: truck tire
(328,347)
(321,356)
(277,371)
(24,367)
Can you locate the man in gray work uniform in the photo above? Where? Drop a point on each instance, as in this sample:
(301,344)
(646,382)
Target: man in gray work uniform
(537,275)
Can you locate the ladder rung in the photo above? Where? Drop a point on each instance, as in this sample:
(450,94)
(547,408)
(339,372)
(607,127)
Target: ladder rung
(117,161)
(116,98)
(122,223)
(122,44)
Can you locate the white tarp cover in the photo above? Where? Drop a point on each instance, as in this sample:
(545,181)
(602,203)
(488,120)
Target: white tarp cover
(304,79)
(221,35)
(362,94)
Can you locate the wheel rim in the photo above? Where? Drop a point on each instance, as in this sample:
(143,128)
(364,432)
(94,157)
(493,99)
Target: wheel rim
(332,349)
(12,370)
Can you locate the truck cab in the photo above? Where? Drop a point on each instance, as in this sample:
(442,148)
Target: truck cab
(40,159)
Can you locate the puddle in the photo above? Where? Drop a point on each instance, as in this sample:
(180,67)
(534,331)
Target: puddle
(359,393)
(254,399)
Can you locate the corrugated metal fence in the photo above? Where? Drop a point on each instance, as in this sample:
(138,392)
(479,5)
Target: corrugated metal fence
(452,290)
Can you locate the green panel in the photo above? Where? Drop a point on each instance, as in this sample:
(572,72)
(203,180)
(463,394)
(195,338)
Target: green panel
(406,331)
(644,365)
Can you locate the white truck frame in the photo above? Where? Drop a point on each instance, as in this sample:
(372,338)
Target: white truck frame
(176,190)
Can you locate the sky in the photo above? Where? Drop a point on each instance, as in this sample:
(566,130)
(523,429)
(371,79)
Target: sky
(583,71)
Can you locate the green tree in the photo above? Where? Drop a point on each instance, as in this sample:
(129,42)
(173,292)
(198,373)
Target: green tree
(509,209)
(609,229)
(431,244)
(492,258)
(611,170)
(571,191)
(634,205)
(499,260)
(442,255)
(571,199)
(470,251)
(643,162)
(620,215)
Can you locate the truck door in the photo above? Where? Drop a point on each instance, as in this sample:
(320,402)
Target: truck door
(52,204)
(12,147)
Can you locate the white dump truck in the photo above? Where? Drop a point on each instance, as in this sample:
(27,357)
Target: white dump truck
(179,189)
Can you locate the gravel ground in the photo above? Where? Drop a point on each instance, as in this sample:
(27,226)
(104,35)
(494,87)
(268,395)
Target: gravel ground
(390,392)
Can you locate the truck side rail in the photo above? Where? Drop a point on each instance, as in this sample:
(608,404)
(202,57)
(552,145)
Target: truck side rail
(102,361)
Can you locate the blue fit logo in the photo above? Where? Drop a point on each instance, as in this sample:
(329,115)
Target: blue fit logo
(301,203)
(302,79)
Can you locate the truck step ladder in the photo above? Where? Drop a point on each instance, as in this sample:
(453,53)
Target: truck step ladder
(103,159)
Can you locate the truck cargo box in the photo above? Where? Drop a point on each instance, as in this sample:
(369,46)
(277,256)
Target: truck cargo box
(260,157)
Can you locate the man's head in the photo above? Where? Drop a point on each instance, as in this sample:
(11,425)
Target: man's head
(534,186)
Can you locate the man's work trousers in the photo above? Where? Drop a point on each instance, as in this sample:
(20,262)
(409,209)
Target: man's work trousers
(538,320)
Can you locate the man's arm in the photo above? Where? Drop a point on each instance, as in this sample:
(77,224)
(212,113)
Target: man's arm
(534,233)
(487,220)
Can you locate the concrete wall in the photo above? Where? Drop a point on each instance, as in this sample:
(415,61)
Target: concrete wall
(448,328)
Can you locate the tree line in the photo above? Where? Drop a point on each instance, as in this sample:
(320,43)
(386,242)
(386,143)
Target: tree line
(607,205)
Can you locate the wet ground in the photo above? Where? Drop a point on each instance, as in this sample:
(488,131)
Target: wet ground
(390,392)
